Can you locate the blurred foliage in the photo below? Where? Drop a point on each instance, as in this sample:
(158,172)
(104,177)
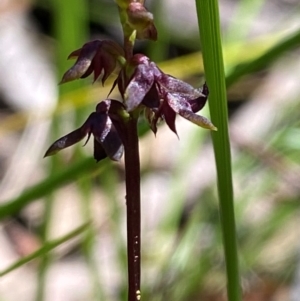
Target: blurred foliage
(184,258)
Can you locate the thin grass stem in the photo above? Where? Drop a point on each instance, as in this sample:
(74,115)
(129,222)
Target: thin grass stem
(210,37)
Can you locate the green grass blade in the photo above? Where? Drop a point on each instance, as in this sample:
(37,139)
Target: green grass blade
(44,188)
(265,59)
(47,247)
(210,37)
(89,239)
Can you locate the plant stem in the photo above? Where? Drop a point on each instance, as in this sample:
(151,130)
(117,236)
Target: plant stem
(133,197)
(133,179)
(209,26)
(128,45)
(128,33)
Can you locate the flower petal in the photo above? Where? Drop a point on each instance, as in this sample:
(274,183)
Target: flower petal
(72,137)
(106,134)
(65,142)
(177,103)
(175,85)
(112,145)
(86,55)
(117,113)
(74,54)
(152,99)
(104,52)
(152,119)
(88,72)
(99,152)
(198,119)
(184,109)
(97,65)
(114,108)
(170,117)
(109,65)
(139,86)
(198,103)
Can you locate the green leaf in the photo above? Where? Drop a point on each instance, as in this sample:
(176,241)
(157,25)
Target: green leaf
(44,188)
(47,247)
(210,37)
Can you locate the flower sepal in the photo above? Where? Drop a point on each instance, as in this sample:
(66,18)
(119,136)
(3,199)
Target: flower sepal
(107,139)
(98,56)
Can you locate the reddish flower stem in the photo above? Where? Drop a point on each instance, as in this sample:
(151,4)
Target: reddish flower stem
(133,197)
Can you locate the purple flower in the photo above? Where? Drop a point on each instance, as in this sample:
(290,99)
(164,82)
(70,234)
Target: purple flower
(141,82)
(95,56)
(103,125)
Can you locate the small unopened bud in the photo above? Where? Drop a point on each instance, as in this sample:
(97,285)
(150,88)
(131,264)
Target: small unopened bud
(142,21)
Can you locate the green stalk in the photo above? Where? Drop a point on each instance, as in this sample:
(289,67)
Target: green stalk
(210,37)
(262,61)
(46,258)
(85,168)
(88,242)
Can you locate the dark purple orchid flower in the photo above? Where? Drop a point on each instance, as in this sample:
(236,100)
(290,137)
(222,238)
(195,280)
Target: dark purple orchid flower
(95,56)
(100,124)
(141,82)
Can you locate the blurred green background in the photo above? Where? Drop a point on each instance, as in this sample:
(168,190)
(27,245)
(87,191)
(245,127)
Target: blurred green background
(66,215)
